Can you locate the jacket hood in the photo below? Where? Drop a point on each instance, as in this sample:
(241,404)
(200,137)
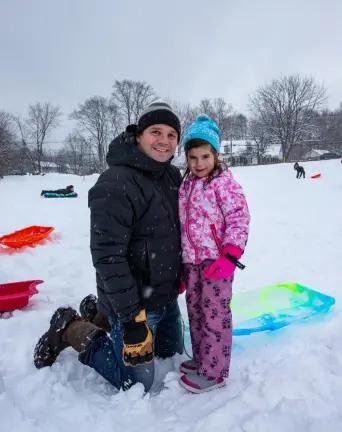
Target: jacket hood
(123,151)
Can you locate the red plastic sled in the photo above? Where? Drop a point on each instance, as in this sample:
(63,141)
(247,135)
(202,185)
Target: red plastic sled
(316,176)
(28,236)
(15,295)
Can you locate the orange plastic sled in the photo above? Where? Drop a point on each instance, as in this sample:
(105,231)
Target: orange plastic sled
(316,176)
(15,295)
(28,236)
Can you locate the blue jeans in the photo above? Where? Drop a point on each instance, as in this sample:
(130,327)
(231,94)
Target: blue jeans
(104,354)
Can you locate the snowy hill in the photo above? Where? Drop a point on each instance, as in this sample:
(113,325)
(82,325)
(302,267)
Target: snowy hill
(288,380)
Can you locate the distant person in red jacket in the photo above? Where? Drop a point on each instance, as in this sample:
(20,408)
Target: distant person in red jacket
(67,190)
(300,170)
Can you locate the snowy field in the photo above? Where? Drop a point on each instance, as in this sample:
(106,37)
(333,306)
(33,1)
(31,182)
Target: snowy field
(289,380)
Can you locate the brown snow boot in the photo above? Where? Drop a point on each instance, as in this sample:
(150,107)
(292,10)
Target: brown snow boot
(88,310)
(66,329)
(80,333)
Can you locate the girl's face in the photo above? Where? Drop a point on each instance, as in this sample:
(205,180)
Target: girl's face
(201,160)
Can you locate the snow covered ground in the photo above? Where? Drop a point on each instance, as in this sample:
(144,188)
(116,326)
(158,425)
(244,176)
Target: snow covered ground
(288,380)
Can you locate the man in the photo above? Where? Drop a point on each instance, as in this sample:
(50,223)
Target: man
(135,247)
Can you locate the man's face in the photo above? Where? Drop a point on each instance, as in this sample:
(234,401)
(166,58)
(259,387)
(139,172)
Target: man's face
(159,142)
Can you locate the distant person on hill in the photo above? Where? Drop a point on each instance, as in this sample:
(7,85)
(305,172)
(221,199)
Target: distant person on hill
(67,190)
(300,170)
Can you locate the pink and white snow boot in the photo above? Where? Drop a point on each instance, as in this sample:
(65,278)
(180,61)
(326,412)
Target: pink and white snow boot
(200,384)
(188,367)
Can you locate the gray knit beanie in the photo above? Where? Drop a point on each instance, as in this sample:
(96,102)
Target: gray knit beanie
(158,113)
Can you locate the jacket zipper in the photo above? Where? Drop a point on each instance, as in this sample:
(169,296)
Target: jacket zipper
(187,227)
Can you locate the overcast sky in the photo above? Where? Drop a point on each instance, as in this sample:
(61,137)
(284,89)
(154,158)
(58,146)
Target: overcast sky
(64,51)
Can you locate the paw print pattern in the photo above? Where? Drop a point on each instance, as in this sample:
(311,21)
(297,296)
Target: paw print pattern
(197,308)
(226,323)
(186,274)
(214,313)
(196,350)
(217,290)
(206,327)
(226,351)
(210,322)
(207,348)
(198,326)
(214,362)
(223,303)
(197,287)
(207,302)
(218,336)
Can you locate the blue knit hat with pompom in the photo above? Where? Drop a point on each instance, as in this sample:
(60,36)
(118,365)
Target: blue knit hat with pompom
(203,128)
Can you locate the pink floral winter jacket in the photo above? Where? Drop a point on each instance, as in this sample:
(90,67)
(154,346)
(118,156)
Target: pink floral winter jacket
(220,202)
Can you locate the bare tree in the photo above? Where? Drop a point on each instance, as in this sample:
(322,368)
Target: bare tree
(95,117)
(186,115)
(78,155)
(26,154)
(130,98)
(6,142)
(42,119)
(329,125)
(285,108)
(238,126)
(220,111)
(258,133)
(232,125)
(116,119)
(206,107)
(12,153)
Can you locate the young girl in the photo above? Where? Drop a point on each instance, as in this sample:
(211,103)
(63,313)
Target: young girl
(214,224)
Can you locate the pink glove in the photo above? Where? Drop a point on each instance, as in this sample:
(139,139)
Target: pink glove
(232,250)
(222,268)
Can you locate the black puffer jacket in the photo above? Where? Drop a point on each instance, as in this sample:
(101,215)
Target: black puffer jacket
(135,234)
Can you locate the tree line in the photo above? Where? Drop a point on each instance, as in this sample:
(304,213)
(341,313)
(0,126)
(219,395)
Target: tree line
(287,111)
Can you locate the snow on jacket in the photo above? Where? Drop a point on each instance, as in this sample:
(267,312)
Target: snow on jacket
(220,202)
